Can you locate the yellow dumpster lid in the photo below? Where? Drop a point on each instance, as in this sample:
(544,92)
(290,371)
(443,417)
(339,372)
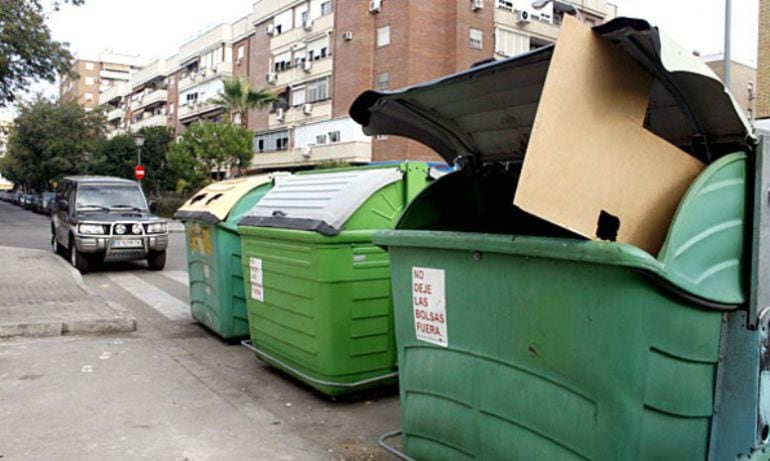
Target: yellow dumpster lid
(214,202)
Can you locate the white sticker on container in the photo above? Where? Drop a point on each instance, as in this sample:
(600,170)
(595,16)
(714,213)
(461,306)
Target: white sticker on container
(429,305)
(255,274)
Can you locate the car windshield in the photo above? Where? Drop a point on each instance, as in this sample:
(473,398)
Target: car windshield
(103,196)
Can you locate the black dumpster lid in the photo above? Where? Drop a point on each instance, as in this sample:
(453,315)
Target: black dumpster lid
(488,111)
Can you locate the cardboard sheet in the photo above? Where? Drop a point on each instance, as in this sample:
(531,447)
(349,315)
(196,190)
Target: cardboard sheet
(589,155)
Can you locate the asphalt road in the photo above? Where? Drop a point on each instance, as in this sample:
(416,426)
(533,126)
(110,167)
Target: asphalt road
(171,390)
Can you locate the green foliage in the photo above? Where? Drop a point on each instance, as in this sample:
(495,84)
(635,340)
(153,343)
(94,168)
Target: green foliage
(113,157)
(27,51)
(238,97)
(205,148)
(157,141)
(332,164)
(49,140)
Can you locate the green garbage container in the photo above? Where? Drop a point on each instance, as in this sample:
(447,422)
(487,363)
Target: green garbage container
(519,340)
(214,252)
(318,290)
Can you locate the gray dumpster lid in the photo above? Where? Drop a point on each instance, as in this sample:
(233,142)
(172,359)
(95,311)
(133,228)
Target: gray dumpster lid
(488,111)
(320,202)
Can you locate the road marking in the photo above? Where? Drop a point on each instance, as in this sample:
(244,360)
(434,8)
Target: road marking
(179,276)
(170,306)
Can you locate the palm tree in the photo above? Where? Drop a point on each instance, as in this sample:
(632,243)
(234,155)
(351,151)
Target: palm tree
(238,97)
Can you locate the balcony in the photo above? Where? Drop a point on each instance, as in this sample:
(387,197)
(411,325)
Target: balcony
(115,75)
(297,75)
(155,120)
(536,28)
(116,114)
(150,98)
(224,71)
(188,112)
(296,116)
(353,152)
(111,133)
(299,33)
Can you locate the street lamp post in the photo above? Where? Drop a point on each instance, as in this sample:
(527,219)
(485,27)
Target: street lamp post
(139,142)
(727,58)
(540,4)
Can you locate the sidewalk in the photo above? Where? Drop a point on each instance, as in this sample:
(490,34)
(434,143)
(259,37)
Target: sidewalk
(41,295)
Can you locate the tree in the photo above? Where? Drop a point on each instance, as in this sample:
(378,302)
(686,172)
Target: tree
(27,51)
(238,97)
(157,141)
(113,157)
(207,148)
(49,140)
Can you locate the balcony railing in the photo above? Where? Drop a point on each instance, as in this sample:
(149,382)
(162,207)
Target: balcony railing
(187,112)
(155,120)
(353,152)
(150,98)
(298,74)
(296,115)
(116,114)
(223,70)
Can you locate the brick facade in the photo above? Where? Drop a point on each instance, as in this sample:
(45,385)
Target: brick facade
(258,67)
(763,61)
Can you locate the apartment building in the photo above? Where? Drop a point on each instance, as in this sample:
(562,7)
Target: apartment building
(147,103)
(202,65)
(763,67)
(96,74)
(743,78)
(321,54)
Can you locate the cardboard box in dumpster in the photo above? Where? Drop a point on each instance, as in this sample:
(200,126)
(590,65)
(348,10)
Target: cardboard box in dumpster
(590,165)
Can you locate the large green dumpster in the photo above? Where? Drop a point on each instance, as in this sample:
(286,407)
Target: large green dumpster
(519,340)
(318,290)
(214,252)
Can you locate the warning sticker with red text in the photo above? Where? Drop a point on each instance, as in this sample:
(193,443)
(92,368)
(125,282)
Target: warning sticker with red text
(429,305)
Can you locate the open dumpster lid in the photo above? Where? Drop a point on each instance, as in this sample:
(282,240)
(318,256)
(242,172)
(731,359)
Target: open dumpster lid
(488,111)
(214,202)
(320,202)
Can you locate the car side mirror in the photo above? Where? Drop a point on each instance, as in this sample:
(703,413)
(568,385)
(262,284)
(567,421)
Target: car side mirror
(153,205)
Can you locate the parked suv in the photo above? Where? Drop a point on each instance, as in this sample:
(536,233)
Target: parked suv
(97,218)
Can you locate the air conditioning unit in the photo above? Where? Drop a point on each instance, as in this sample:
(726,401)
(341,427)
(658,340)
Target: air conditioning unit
(193,77)
(306,151)
(307,109)
(307,66)
(203,73)
(308,24)
(280,115)
(271,77)
(375,6)
(270,29)
(523,17)
(347,36)
(477,4)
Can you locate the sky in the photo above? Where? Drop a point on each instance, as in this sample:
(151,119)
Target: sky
(156,28)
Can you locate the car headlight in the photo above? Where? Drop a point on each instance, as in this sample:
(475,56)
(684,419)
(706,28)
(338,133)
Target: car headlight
(156,228)
(91,229)
(136,229)
(120,229)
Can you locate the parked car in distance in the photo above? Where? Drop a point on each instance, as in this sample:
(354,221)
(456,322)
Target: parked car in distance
(27,200)
(44,202)
(99,218)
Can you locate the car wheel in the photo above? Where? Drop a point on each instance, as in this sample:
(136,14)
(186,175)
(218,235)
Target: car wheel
(78,260)
(156,260)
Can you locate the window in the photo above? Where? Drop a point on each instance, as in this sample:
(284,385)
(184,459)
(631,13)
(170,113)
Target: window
(241,52)
(320,139)
(326,8)
(383,36)
(298,96)
(89,96)
(271,142)
(318,49)
(301,14)
(283,21)
(334,136)
(477,39)
(89,66)
(509,43)
(282,61)
(90,81)
(305,16)
(318,90)
(383,81)
(171,108)
(506,5)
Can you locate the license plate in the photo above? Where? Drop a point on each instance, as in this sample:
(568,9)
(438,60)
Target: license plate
(126,243)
